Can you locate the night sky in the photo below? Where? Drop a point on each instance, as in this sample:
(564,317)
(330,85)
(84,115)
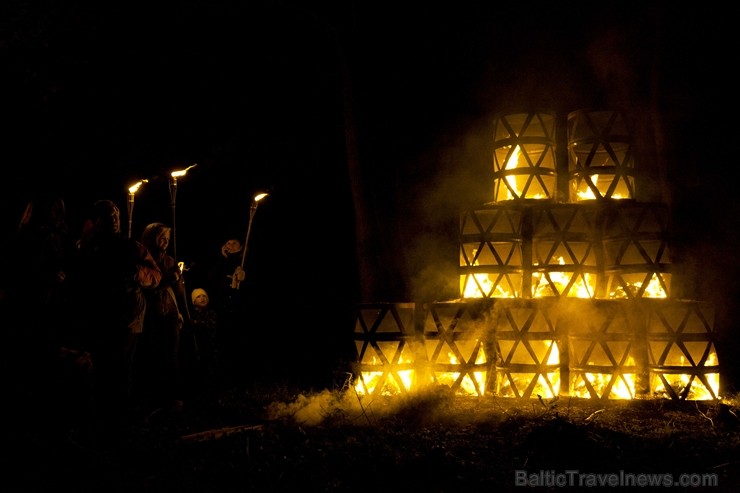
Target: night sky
(267,95)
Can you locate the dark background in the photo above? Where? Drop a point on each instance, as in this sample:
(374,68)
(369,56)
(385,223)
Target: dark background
(357,117)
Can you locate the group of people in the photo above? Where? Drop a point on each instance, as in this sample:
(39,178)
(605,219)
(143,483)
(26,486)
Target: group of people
(111,316)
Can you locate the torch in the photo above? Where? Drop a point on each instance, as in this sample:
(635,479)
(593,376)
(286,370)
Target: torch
(173,199)
(252,211)
(131,192)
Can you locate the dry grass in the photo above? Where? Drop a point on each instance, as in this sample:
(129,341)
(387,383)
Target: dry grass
(275,439)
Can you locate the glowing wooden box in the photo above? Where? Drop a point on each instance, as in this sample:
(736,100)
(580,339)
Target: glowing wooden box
(524,156)
(530,250)
(457,339)
(636,250)
(526,344)
(491,257)
(566,251)
(682,356)
(564,283)
(385,339)
(606,349)
(601,162)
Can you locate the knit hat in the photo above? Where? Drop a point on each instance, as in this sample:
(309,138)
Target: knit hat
(197,292)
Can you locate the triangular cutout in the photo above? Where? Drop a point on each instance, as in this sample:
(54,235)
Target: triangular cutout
(677,357)
(620,351)
(599,356)
(696,350)
(520,355)
(656,350)
(696,323)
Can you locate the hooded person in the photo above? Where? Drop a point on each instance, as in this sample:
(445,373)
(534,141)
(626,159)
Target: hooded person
(159,374)
(156,238)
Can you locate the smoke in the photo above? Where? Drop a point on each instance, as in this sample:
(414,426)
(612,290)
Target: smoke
(346,406)
(312,409)
(458,176)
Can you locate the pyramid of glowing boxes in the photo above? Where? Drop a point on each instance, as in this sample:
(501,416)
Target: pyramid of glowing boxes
(564,284)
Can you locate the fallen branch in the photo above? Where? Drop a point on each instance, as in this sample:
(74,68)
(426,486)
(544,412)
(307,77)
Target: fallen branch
(593,415)
(218,433)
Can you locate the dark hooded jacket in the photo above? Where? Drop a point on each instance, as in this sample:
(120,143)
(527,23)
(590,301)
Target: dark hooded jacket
(165,302)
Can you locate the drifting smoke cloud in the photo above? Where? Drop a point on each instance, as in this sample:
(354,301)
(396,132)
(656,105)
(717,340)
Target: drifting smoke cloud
(429,404)
(460,176)
(311,410)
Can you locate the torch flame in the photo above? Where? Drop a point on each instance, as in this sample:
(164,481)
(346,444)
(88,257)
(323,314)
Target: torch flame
(182,172)
(135,187)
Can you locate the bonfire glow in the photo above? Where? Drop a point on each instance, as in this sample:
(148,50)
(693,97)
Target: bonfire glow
(513,190)
(688,385)
(622,385)
(512,163)
(542,381)
(481,286)
(560,283)
(532,262)
(471,383)
(585,192)
(654,289)
(387,383)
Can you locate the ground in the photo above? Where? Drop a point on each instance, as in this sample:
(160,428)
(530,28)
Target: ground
(276,439)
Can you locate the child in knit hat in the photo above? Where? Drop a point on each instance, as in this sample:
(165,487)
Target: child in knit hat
(204,324)
(199,297)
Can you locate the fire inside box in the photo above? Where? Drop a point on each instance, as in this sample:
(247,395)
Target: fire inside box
(563,290)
